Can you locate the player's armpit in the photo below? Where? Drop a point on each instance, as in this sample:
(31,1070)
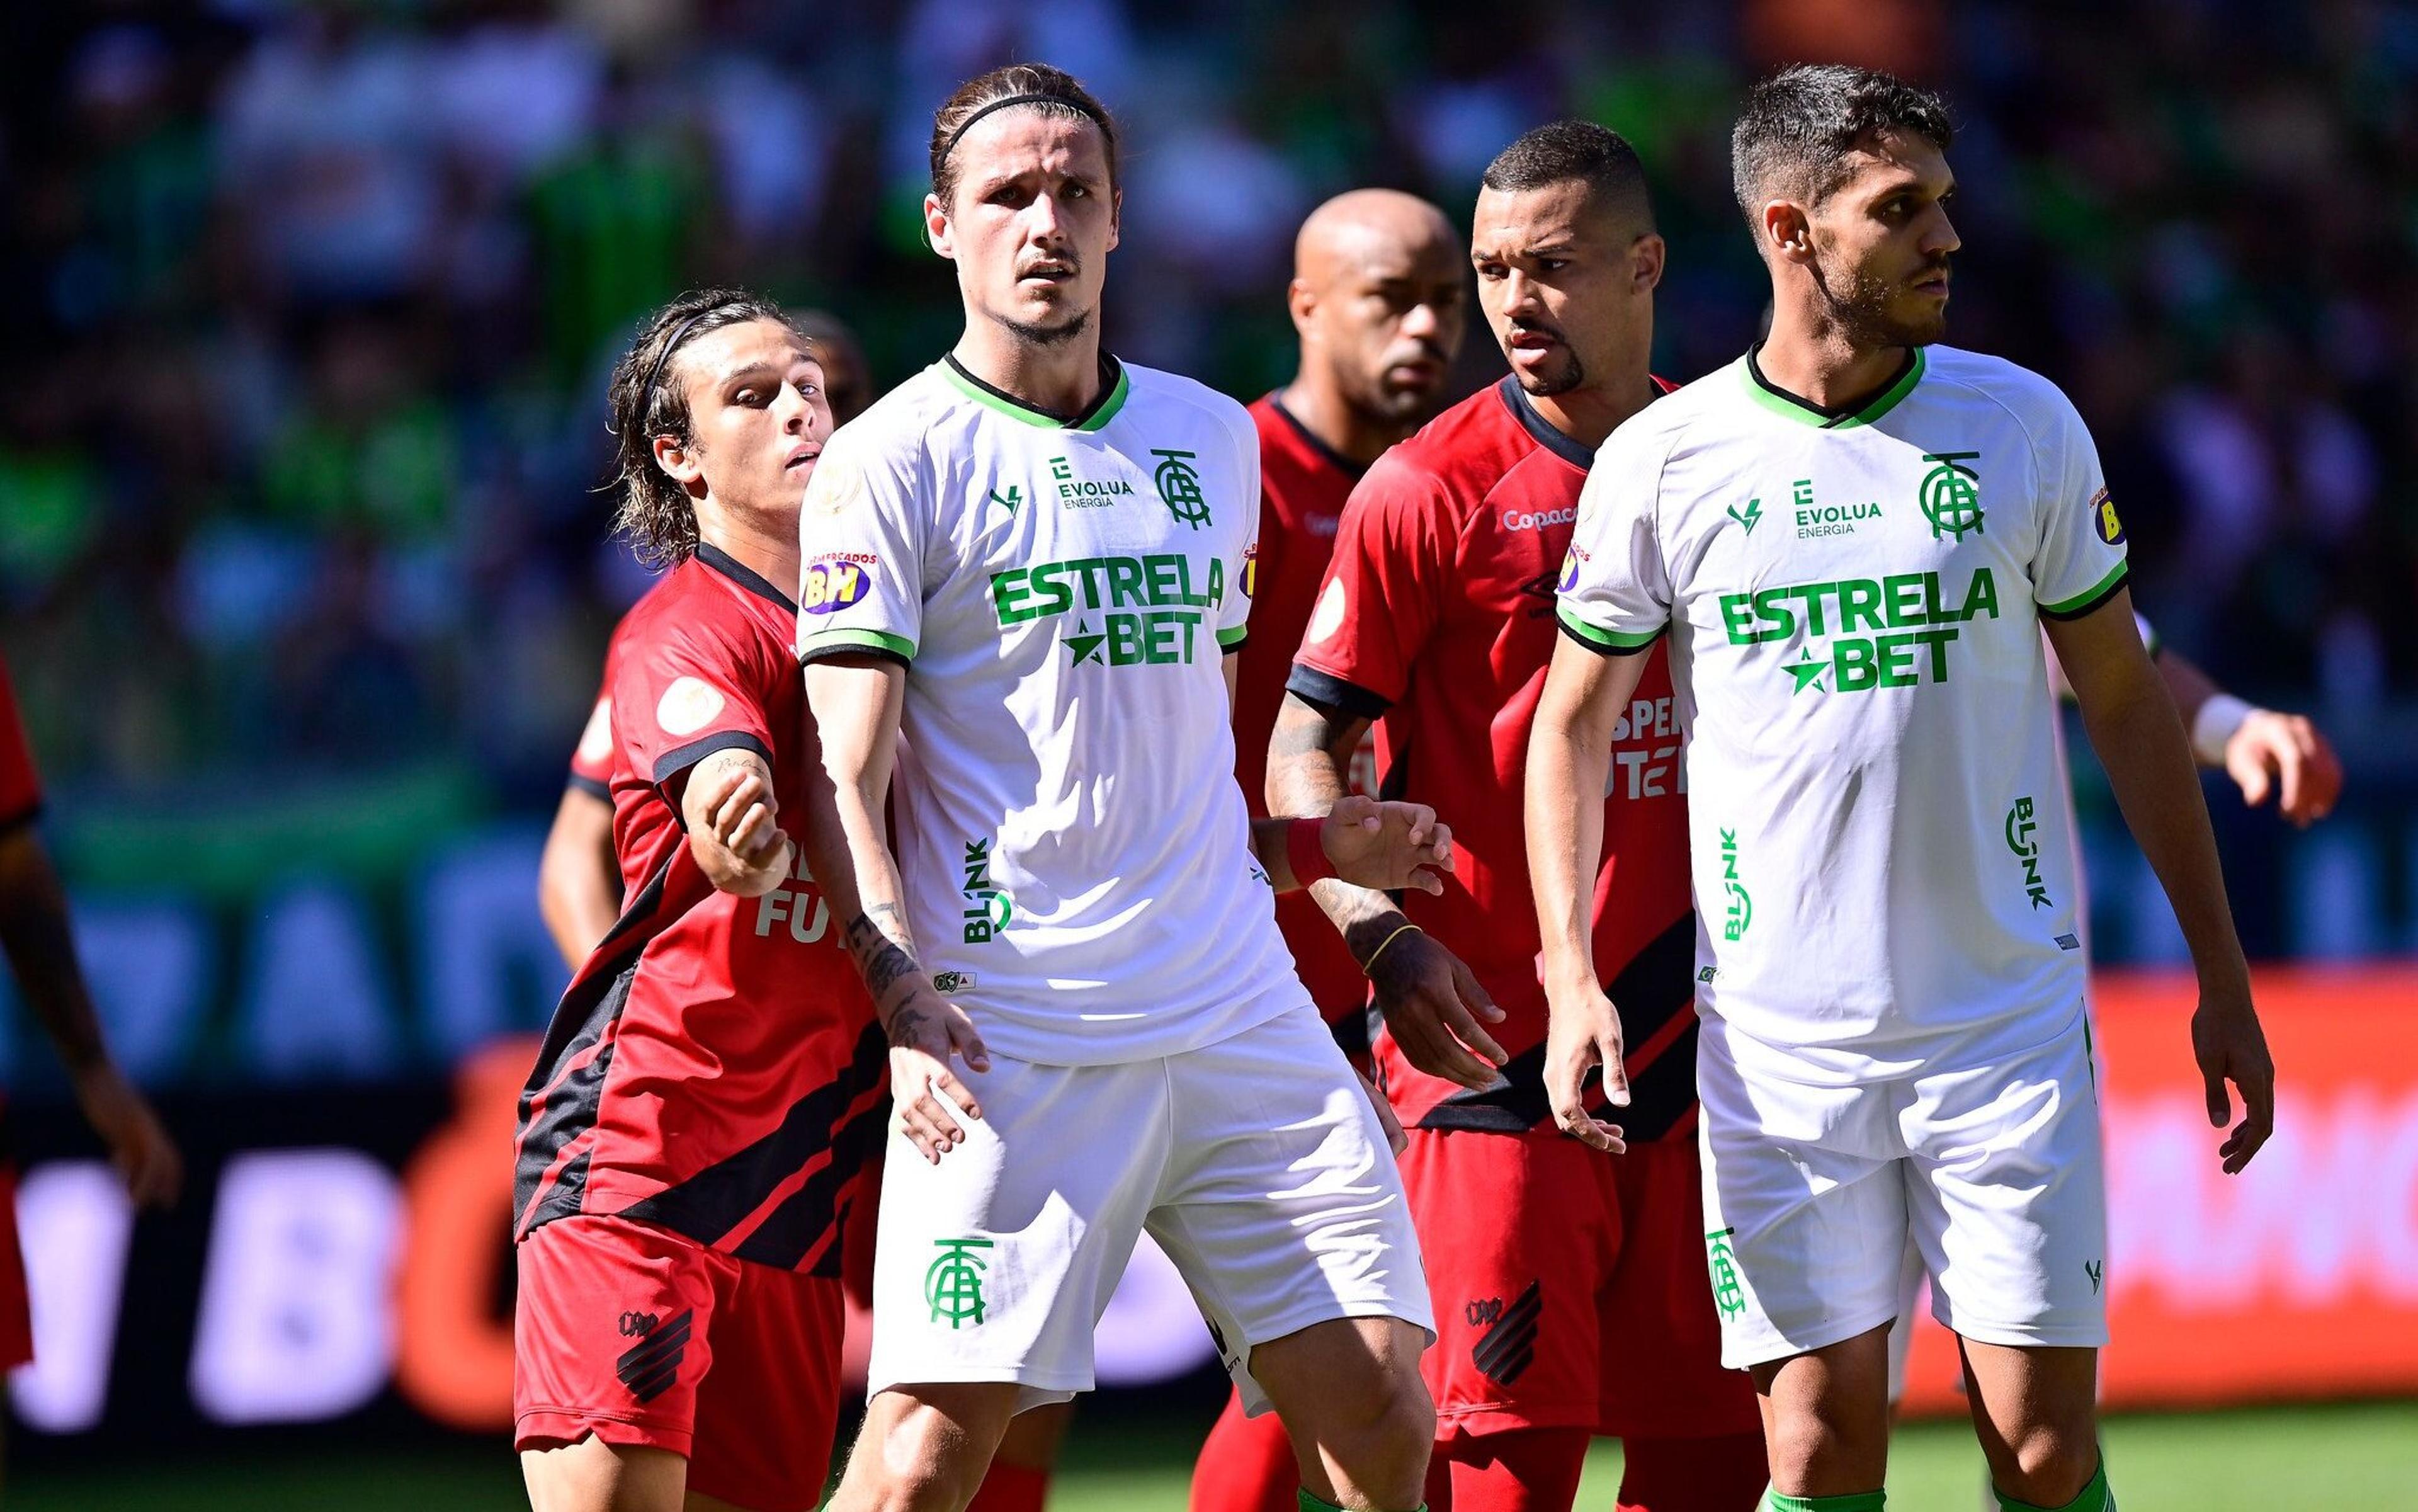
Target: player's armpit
(732,819)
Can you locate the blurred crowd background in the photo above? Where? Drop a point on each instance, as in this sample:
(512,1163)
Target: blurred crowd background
(311,306)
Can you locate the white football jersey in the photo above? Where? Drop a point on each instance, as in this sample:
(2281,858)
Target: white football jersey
(1880,826)
(1076,853)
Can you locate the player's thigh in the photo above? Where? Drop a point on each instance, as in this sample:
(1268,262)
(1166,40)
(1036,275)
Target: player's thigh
(767,1411)
(592,1475)
(995,1263)
(1281,1204)
(1346,1379)
(2007,1197)
(1804,1207)
(2036,1412)
(1519,1233)
(1661,1375)
(612,1335)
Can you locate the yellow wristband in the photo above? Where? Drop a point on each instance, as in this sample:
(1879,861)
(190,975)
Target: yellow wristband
(1372,961)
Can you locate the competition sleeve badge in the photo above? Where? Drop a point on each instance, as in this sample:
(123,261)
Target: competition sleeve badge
(834,581)
(2104,519)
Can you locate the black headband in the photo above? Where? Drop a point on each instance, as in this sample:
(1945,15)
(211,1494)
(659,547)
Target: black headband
(655,373)
(1077,106)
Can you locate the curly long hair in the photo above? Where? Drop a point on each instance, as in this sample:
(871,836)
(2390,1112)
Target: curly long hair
(647,398)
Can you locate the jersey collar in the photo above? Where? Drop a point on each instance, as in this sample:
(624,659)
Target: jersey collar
(1836,417)
(1516,399)
(1310,438)
(1114,386)
(743,575)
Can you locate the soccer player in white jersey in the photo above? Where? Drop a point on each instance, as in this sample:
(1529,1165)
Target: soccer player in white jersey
(1854,538)
(1025,573)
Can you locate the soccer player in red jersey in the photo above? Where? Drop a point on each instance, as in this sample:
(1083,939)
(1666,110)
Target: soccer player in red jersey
(693,1137)
(1569,1289)
(1378,296)
(35,937)
(579,881)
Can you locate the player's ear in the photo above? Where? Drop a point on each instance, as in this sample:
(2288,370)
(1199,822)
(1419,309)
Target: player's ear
(678,460)
(1787,232)
(936,227)
(1645,260)
(1301,302)
(1116,216)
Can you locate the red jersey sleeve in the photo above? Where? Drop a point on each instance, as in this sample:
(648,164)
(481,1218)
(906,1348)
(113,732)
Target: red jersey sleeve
(21,790)
(1383,592)
(592,761)
(686,689)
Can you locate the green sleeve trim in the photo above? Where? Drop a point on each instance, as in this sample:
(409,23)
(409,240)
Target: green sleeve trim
(833,642)
(1610,640)
(1234,637)
(2089,598)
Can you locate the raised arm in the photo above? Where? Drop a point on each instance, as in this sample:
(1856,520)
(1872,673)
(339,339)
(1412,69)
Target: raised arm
(856,702)
(1569,756)
(2139,738)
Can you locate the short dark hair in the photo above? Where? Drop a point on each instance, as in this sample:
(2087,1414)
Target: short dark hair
(645,399)
(1560,151)
(1058,93)
(1798,125)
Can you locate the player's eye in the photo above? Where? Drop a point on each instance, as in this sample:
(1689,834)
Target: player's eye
(1553,264)
(1490,271)
(1078,191)
(748,396)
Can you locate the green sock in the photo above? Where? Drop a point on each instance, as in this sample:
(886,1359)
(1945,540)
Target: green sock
(1312,1502)
(1860,1502)
(2096,1497)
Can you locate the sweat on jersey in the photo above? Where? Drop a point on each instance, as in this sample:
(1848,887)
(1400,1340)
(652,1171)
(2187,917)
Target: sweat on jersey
(1881,834)
(1076,854)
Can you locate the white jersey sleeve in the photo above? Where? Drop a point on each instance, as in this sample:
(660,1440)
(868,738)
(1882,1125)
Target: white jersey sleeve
(1234,616)
(2080,558)
(1615,588)
(865,538)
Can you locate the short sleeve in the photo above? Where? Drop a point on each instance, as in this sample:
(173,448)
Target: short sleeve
(592,761)
(1242,573)
(20,787)
(684,691)
(862,537)
(1616,589)
(1394,550)
(2079,563)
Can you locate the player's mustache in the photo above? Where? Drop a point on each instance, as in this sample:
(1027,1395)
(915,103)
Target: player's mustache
(1053,261)
(1538,328)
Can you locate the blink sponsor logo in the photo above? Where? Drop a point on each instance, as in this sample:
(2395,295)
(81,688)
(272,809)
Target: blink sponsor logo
(1740,912)
(986,907)
(2023,838)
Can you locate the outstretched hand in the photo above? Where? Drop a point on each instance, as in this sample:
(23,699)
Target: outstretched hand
(1386,846)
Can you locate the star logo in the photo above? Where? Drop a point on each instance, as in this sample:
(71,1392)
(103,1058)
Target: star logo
(1807,673)
(1086,648)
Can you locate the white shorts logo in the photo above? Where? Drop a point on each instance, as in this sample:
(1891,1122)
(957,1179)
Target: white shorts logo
(687,706)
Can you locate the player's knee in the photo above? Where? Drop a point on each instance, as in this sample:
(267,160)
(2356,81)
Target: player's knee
(1813,1448)
(2053,1461)
(923,1459)
(1381,1444)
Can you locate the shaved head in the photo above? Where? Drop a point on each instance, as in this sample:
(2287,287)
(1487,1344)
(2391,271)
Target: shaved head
(1379,283)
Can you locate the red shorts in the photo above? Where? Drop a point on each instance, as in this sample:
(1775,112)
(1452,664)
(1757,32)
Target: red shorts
(1569,1288)
(641,1335)
(16,1317)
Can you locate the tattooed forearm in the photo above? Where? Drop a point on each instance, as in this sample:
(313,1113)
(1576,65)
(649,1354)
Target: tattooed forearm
(908,1025)
(881,957)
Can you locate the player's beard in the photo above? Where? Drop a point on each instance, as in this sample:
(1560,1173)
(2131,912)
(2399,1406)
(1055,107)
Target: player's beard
(1860,304)
(1570,376)
(1033,334)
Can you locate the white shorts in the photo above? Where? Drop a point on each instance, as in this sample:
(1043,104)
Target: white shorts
(1256,1163)
(1993,1172)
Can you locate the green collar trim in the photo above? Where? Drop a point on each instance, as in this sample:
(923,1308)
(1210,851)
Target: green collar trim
(1103,409)
(1781,402)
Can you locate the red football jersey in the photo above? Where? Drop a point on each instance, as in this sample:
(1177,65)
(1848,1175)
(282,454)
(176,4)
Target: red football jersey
(21,788)
(1436,619)
(591,759)
(714,1067)
(1303,485)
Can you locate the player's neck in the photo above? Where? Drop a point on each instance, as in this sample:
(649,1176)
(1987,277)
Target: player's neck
(1590,414)
(1325,413)
(1058,378)
(1812,359)
(762,543)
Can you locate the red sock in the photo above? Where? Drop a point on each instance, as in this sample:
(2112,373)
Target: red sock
(1246,1465)
(1723,1475)
(1007,1488)
(1529,1470)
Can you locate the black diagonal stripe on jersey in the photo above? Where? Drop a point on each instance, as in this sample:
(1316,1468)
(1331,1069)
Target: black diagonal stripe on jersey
(1658,982)
(558,1103)
(708,1205)
(807,1214)
(1510,1342)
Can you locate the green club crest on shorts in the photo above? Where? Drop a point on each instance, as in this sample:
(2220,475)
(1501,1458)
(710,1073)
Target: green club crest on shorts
(952,1285)
(1729,1294)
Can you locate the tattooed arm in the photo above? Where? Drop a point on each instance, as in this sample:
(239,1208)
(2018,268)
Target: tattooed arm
(733,823)
(856,702)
